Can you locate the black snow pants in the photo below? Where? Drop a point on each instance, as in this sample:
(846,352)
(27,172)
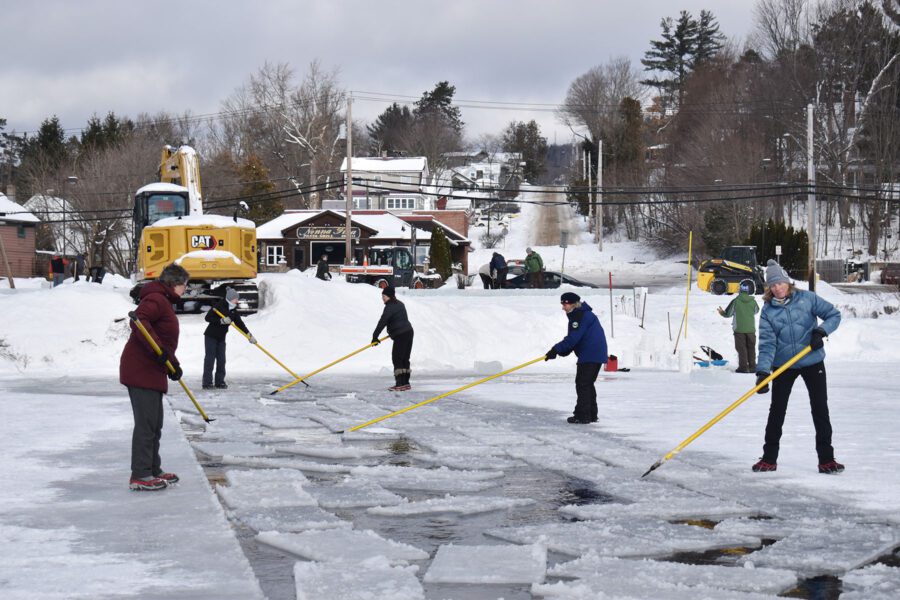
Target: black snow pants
(215,355)
(814,378)
(148,423)
(585,378)
(400,354)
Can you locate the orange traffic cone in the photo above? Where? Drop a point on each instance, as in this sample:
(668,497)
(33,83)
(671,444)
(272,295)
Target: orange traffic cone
(365,260)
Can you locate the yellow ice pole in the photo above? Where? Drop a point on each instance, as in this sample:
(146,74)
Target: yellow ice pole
(169,365)
(689,277)
(445,394)
(269,354)
(332,363)
(734,405)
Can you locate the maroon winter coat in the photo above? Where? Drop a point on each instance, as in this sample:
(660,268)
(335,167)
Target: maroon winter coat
(138,366)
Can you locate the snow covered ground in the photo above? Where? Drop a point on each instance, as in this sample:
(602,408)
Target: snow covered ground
(393,507)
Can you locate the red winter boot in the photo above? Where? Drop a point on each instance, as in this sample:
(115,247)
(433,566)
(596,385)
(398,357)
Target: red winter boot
(764,467)
(831,468)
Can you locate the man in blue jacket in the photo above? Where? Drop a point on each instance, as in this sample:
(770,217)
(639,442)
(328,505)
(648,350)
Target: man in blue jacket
(586,338)
(790,322)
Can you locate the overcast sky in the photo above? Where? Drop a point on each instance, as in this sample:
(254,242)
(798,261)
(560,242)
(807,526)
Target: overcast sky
(77,58)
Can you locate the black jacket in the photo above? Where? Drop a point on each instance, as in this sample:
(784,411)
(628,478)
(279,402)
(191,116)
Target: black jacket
(322,270)
(394,318)
(215,329)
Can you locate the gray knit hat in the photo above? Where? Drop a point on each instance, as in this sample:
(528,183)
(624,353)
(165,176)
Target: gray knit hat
(775,274)
(231,295)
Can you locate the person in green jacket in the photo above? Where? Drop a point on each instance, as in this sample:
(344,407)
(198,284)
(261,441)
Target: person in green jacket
(742,310)
(534,265)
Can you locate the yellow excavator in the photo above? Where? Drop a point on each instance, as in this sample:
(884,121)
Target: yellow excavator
(169,226)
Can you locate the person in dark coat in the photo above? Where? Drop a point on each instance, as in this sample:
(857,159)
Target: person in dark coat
(499,268)
(401,331)
(58,269)
(78,269)
(789,322)
(144,373)
(214,337)
(587,339)
(322,268)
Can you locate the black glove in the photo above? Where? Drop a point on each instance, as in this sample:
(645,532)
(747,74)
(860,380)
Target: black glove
(815,340)
(177,374)
(760,376)
(551,354)
(375,341)
(162,357)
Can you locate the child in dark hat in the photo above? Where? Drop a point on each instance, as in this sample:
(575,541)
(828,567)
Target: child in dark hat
(214,337)
(401,331)
(586,338)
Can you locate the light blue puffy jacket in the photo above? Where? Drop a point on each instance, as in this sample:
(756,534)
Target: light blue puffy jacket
(785,328)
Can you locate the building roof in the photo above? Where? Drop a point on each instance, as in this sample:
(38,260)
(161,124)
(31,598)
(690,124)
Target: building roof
(386,225)
(11,212)
(392,164)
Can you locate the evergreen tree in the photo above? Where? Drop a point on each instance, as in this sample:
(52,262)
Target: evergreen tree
(439,256)
(101,135)
(390,130)
(684,44)
(255,186)
(709,39)
(628,145)
(48,146)
(439,101)
(526,138)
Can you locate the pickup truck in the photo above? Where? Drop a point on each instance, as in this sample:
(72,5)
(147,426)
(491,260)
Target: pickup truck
(387,265)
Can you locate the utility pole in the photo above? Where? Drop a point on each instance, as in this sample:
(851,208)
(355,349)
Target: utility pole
(600,195)
(590,192)
(811,198)
(349,186)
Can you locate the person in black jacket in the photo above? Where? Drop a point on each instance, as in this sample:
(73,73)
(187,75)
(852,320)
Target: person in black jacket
(322,268)
(499,266)
(214,338)
(401,331)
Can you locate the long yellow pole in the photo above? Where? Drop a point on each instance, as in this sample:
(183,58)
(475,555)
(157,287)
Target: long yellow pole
(332,363)
(444,395)
(734,405)
(269,354)
(169,365)
(690,275)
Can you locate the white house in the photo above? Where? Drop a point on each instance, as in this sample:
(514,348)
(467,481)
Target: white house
(390,183)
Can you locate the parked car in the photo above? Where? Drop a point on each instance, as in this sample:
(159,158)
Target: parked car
(890,274)
(552,280)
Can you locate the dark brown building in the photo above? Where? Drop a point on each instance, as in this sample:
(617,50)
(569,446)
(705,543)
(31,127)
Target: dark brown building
(298,238)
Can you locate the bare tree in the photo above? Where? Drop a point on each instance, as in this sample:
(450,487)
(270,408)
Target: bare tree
(293,129)
(592,101)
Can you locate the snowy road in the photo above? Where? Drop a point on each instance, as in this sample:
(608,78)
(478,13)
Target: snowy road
(474,471)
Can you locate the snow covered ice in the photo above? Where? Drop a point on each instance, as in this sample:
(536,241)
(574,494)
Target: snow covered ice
(400,509)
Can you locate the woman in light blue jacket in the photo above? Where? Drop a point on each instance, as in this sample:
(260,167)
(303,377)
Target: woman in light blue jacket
(790,322)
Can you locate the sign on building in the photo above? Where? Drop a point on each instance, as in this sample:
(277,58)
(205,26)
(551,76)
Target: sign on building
(326,233)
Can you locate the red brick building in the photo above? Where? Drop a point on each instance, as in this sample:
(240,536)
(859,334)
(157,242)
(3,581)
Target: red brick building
(17,235)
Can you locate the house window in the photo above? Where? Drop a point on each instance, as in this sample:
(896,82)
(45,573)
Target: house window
(274,255)
(405,179)
(408,203)
(20,231)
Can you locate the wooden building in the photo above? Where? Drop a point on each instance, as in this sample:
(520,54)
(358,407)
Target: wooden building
(296,239)
(17,235)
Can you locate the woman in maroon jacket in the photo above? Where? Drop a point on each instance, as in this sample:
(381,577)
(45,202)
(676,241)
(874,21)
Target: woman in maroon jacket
(144,373)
